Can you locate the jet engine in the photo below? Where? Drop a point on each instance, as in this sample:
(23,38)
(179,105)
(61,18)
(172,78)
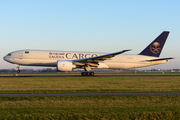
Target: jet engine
(65,65)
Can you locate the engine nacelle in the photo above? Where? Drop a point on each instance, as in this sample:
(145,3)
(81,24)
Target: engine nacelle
(65,65)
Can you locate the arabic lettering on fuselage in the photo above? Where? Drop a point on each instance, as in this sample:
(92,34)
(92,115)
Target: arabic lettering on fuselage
(56,55)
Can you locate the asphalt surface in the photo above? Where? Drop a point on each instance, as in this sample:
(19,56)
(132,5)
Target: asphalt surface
(88,94)
(78,75)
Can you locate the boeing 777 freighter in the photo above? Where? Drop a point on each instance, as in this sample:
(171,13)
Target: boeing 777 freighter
(67,61)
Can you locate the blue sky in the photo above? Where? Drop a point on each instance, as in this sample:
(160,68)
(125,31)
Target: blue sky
(89,25)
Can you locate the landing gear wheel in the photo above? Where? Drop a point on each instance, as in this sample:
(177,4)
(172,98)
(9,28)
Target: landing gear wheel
(18,71)
(82,74)
(87,73)
(92,73)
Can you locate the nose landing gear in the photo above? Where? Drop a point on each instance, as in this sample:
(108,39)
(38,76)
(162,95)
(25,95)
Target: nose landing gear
(18,71)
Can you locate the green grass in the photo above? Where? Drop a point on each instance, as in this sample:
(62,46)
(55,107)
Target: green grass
(89,84)
(92,107)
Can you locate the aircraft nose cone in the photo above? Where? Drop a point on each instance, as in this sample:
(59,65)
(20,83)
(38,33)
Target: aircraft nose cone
(5,58)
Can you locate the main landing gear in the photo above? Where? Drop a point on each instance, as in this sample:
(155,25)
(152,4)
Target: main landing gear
(87,73)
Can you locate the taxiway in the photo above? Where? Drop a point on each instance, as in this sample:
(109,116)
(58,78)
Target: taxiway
(88,94)
(98,75)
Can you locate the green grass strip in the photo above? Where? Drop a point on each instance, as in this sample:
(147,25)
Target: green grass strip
(92,107)
(89,84)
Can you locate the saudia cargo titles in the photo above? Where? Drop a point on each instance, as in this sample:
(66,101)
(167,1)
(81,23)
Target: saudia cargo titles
(67,61)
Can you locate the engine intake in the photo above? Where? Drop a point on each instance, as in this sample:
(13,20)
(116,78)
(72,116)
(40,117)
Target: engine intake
(65,65)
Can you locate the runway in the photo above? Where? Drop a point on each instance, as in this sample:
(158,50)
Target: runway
(87,94)
(78,75)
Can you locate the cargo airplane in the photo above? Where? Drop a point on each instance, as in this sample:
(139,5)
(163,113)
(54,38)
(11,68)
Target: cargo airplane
(67,61)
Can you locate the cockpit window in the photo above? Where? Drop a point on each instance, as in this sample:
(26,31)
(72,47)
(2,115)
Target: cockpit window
(27,52)
(9,54)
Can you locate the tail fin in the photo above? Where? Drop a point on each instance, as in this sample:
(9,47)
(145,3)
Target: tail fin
(155,48)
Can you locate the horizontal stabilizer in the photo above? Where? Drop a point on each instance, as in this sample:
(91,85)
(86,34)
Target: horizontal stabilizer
(158,59)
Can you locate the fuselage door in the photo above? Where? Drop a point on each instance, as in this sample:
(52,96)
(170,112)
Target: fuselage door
(20,55)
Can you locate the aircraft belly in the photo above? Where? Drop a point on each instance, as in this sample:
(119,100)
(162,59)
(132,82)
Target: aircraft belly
(128,65)
(131,65)
(121,65)
(102,66)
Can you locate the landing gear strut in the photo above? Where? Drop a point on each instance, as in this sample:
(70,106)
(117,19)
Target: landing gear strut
(18,71)
(87,73)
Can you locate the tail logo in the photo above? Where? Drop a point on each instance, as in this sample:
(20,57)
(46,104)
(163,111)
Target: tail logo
(155,48)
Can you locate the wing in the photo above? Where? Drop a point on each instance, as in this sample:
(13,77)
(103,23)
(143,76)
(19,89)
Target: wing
(93,61)
(158,59)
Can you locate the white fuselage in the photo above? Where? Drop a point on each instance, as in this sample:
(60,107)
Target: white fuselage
(50,58)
